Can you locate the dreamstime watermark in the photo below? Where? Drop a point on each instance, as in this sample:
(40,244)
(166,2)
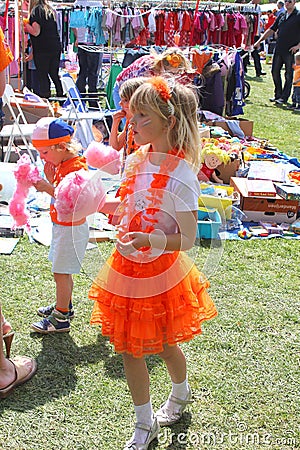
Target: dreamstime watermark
(241,436)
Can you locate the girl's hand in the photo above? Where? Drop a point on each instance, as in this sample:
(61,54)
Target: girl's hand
(49,171)
(132,241)
(119,115)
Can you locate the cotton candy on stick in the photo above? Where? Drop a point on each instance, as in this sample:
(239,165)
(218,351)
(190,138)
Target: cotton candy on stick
(103,157)
(26,175)
(78,195)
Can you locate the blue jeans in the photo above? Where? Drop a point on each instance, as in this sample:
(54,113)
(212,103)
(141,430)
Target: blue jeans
(280,60)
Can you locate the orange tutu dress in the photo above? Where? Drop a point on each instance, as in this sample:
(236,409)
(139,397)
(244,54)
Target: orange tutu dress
(143,305)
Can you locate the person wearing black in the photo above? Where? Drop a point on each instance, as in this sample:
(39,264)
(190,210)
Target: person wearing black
(46,45)
(255,52)
(287,28)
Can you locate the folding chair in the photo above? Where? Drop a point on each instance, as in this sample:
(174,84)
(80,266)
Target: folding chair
(20,128)
(76,111)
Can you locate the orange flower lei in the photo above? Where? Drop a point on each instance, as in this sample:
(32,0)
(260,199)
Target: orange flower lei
(155,193)
(174,60)
(162,87)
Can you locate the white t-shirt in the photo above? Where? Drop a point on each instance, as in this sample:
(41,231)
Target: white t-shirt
(180,195)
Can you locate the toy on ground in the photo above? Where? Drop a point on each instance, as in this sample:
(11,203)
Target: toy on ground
(212,157)
(27,175)
(244,233)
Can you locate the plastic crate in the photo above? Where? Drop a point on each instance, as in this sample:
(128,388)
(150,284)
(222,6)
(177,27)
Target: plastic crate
(222,204)
(209,223)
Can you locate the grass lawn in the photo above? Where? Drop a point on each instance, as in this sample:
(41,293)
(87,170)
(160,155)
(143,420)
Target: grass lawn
(243,370)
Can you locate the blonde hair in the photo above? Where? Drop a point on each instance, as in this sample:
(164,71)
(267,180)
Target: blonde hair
(212,149)
(73,147)
(163,61)
(182,105)
(49,11)
(128,88)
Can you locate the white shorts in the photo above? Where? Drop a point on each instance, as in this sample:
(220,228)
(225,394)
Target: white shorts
(68,247)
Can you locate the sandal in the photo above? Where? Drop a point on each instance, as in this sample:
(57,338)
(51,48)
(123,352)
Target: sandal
(152,434)
(165,417)
(8,336)
(17,362)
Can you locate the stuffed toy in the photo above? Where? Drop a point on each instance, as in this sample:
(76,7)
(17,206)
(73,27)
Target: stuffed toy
(103,157)
(212,157)
(26,175)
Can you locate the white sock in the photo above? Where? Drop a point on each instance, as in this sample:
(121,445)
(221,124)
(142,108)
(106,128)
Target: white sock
(144,414)
(180,391)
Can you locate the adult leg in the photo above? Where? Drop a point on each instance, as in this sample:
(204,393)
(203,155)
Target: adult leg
(277,65)
(93,59)
(53,72)
(13,372)
(288,62)
(257,64)
(83,70)
(41,62)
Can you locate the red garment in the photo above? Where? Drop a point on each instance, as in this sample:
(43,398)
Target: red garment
(207,171)
(271,20)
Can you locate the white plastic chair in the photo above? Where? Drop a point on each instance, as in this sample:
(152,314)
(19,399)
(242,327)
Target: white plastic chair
(76,111)
(20,128)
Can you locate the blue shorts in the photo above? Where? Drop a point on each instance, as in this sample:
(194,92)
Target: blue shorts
(68,247)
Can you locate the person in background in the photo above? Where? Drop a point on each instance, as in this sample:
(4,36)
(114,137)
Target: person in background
(16,371)
(270,19)
(287,28)
(149,297)
(124,139)
(46,45)
(53,140)
(89,64)
(172,62)
(256,51)
(280,8)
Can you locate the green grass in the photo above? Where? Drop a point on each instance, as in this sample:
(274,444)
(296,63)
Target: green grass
(243,369)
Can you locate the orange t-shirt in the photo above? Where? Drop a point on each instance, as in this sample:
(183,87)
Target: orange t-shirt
(6,56)
(71,165)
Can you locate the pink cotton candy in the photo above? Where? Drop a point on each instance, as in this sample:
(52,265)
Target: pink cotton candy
(78,195)
(26,175)
(103,157)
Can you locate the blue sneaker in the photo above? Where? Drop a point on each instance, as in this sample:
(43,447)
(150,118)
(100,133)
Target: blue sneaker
(46,311)
(55,323)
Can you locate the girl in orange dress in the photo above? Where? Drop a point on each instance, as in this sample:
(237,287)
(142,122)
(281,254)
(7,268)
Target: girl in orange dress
(149,296)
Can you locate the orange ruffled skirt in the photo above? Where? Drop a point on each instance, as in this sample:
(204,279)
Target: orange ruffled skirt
(142,306)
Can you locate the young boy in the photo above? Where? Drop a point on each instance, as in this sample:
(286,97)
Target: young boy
(296,83)
(53,139)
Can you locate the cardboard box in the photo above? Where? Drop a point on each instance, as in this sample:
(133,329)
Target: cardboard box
(288,191)
(245,125)
(226,171)
(257,209)
(32,111)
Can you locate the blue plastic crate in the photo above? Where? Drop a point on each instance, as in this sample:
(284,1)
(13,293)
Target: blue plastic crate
(209,223)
